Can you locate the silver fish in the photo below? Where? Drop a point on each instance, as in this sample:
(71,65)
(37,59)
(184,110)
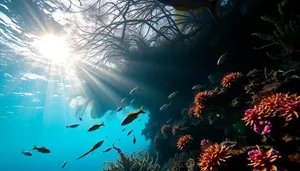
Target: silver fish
(165,106)
(133,90)
(172,95)
(222,58)
(123,100)
(120,108)
(196,87)
(132,101)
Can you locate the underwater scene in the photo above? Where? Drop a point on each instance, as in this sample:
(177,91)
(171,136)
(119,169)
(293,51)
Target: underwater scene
(149,85)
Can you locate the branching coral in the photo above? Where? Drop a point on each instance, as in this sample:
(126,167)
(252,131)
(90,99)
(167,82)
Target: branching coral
(280,105)
(285,35)
(231,79)
(137,161)
(212,156)
(184,141)
(263,161)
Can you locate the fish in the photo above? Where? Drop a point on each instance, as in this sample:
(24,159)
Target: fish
(169,121)
(140,119)
(27,153)
(123,129)
(41,149)
(132,101)
(116,148)
(132,116)
(133,90)
(172,95)
(222,58)
(129,132)
(72,126)
(80,118)
(123,100)
(105,136)
(95,127)
(196,87)
(119,139)
(185,5)
(96,146)
(106,150)
(120,108)
(64,164)
(134,140)
(165,106)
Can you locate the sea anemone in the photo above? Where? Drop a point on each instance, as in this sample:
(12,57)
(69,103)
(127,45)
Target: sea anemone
(252,116)
(165,129)
(230,79)
(196,111)
(201,97)
(263,161)
(212,156)
(184,141)
(175,129)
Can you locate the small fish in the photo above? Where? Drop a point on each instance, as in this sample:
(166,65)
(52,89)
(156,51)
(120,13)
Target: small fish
(294,77)
(95,127)
(92,149)
(41,149)
(120,108)
(140,119)
(165,106)
(105,136)
(129,132)
(123,100)
(106,150)
(133,90)
(119,139)
(80,118)
(64,164)
(123,129)
(172,95)
(169,121)
(132,116)
(197,87)
(116,148)
(72,126)
(222,58)
(134,140)
(132,101)
(27,153)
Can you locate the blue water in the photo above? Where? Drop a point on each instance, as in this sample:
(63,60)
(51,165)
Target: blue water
(34,109)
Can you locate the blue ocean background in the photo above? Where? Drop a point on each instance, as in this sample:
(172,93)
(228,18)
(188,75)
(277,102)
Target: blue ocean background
(34,108)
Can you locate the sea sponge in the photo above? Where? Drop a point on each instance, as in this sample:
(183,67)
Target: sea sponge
(184,141)
(231,79)
(263,161)
(212,156)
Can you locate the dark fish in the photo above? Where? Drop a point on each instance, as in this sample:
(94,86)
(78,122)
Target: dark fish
(129,132)
(27,153)
(107,150)
(80,118)
(123,129)
(41,149)
(134,140)
(105,136)
(64,164)
(132,116)
(120,108)
(222,58)
(95,127)
(116,148)
(72,126)
(119,139)
(92,149)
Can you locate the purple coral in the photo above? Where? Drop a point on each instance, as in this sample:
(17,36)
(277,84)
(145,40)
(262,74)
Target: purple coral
(204,142)
(263,127)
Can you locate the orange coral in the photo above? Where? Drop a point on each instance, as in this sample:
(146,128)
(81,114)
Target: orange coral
(263,161)
(212,156)
(175,129)
(165,129)
(196,111)
(230,79)
(184,141)
(201,97)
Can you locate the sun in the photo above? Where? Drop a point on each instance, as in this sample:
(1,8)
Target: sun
(54,48)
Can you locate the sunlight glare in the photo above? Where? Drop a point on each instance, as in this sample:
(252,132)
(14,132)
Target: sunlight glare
(53,48)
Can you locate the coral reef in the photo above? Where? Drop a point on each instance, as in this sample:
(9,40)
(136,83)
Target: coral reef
(184,141)
(137,161)
(231,79)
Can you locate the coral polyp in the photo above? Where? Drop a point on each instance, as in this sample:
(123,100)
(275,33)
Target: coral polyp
(230,79)
(252,116)
(263,161)
(201,97)
(196,111)
(212,156)
(184,141)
